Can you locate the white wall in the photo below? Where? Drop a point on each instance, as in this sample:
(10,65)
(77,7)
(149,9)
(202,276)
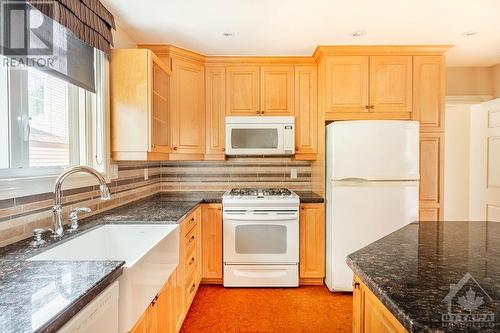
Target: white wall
(456,162)
(122,40)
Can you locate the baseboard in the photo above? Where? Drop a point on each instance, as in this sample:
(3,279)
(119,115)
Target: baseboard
(211,281)
(311,281)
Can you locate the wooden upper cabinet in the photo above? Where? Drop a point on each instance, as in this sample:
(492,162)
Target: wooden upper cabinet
(277,90)
(161,110)
(391,84)
(429,92)
(347,84)
(215,113)
(306,112)
(140,105)
(188,109)
(242,91)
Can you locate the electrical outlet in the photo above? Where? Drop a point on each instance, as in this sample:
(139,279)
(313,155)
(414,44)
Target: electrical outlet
(146,173)
(114,171)
(293,173)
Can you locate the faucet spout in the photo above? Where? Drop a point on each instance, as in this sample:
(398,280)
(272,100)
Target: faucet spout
(57,209)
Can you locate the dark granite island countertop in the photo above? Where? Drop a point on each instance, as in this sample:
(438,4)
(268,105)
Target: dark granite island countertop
(429,274)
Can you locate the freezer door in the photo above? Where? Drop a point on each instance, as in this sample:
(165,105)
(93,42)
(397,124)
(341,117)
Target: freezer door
(359,213)
(373,150)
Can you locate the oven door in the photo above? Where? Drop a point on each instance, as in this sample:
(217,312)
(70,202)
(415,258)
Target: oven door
(261,237)
(254,139)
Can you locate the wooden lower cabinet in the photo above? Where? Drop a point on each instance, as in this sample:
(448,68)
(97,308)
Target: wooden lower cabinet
(312,244)
(369,314)
(168,309)
(211,244)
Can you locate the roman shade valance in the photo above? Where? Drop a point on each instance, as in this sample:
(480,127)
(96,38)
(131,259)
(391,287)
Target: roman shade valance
(88,20)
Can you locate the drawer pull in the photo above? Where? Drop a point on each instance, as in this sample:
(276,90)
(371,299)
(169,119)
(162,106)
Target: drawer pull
(192,219)
(192,288)
(153,302)
(191,261)
(191,239)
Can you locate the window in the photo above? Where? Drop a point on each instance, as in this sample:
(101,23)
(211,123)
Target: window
(48,124)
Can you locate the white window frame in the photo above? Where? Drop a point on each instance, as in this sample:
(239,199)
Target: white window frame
(97,154)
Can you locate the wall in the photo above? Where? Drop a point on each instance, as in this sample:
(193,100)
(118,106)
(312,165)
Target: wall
(496,81)
(469,81)
(122,40)
(456,162)
(236,172)
(19,216)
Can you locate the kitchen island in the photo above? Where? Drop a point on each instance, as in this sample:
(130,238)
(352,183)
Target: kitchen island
(429,277)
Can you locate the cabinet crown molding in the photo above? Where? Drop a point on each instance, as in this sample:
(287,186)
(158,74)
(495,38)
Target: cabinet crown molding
(414,50)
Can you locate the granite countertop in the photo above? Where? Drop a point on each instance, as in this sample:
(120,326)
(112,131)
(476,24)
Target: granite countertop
(67,286)
(424,272)
(41,296)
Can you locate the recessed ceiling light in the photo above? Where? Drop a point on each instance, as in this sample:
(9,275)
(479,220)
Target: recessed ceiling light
(358,33)
(227,34)
(470,33)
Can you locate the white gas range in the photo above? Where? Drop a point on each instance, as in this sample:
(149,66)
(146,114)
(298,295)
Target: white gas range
(261,238)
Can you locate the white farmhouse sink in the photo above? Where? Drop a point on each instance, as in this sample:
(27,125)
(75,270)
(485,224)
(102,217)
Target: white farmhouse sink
(150,252)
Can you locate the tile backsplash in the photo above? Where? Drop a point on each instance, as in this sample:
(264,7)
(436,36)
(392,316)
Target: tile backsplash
(19,216)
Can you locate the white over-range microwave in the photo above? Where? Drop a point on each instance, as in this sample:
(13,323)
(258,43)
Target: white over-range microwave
(257,135)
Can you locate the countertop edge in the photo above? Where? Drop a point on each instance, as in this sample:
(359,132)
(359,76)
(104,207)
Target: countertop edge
(64,316)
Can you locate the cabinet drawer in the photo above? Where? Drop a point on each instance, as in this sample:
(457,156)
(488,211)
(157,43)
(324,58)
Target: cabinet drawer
(190,288)
(190,240)
(189,223)
(191,261)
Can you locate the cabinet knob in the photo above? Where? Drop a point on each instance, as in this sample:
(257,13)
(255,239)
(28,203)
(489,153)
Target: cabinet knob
(175,148)
(153,146)
(355,284)
(223,149)
(372,107)
(367,108)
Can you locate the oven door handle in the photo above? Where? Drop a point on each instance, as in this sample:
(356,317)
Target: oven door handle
(261,216)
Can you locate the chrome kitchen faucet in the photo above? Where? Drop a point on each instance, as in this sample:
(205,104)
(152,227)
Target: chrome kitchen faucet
(57,209)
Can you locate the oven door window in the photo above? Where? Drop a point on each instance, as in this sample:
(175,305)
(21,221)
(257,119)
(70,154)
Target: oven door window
(254,138)
(261,239)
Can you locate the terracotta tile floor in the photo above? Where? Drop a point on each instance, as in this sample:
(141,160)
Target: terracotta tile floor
(261,310)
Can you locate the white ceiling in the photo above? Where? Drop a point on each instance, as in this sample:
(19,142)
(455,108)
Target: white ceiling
(296,27)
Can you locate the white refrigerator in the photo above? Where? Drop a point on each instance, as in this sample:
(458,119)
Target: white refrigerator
(372,172)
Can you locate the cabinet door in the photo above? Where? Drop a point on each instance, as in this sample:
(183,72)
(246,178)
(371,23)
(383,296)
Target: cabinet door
(188,110)
(431,175)
(142,325)
(242,91)
(276,90)
(429,92)
(164,309)
(152,317)
(391,84)
(376,318)
(160,122)
(211,243)
(215,112)
(347,84)
(312,243)
(178,296)
(306,112)
(357,305)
